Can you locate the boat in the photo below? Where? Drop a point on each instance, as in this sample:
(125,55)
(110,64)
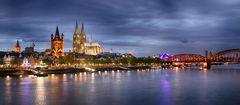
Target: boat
(41,74)
(124,68)
(155,67)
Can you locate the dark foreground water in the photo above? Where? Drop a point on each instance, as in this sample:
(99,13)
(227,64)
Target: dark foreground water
(159,87)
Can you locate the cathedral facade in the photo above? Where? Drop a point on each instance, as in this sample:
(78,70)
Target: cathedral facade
(79,40)
(57,44)
(81,46)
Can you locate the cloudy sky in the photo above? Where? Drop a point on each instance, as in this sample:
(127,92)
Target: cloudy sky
(144,27)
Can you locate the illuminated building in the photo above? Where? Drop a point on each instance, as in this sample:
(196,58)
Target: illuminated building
(165,56)
(78,40)
(26,62)
(93,48)
(29,61)
(7,59)
(17,47)
(57,44)
(81,46)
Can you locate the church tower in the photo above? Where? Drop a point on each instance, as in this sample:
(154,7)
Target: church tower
(81,46)
(83,40)
(57,44)
(17,47)
(76,40)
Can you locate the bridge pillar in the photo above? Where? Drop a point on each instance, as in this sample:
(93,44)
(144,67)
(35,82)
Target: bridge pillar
(207,65)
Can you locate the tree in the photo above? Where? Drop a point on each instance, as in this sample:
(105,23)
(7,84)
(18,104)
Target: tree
(47,61)
(1,61)
(16,61)
(69,59)
(66,60)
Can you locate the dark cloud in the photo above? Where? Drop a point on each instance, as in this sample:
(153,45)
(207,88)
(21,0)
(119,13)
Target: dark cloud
(143,27)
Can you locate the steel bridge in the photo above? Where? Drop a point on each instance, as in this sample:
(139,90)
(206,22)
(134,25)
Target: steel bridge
(187,58)
(231,55)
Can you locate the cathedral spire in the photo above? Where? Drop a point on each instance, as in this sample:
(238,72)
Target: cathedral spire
(76,29)
(17,44)
(57,35)
(57,31)
(17,47)
(82,30)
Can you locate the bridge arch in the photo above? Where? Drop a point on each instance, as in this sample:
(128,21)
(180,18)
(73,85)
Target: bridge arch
(187,58)
(231,55)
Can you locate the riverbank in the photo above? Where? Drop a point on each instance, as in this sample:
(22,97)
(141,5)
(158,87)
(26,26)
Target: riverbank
(45,72)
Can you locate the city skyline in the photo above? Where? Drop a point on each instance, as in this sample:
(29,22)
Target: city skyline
(144,28)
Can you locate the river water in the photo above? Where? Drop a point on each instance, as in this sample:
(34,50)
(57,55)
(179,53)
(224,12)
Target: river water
(143,87)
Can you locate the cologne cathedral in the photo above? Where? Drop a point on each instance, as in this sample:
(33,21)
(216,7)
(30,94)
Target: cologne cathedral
(81,46)
(57,44)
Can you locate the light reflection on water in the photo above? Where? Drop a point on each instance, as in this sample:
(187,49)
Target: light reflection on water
(142,87)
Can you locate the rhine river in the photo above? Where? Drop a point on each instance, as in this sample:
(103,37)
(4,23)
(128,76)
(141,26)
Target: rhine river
(144,87)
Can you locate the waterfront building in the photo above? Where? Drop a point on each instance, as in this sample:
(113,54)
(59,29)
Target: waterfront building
(32,60)
(93,48)
(17,48)
(7,59)
(81,46)
(57,44)
(29,61)
(26,62)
